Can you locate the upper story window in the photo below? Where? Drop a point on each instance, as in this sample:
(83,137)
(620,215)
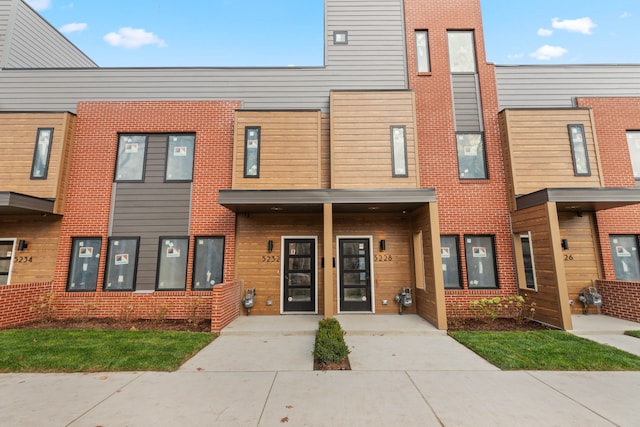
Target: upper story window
(462,53)
(422,51)
(399,150)
(252,152)
(131,156)
(180,158)
(579,151)
(471,156)
(41,154)
(633,139)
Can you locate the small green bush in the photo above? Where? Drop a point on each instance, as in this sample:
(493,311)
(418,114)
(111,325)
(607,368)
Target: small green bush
(330,345)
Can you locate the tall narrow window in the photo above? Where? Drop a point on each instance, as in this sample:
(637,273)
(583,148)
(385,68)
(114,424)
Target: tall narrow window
(252,152)
(41,154)
(6,260)
(122,257)
(172,263)
(209,262)
(422,51)
(179,158)
(481,264)
(579,151)
(633,139)
(471,157)
(399,150)
(624,251)
(83,266)
(450,261)
(462,53)
(131,155)
(528,263)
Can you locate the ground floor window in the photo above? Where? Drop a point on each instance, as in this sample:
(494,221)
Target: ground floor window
(6,258)
(172,263)
(83,266)
(450,262)
(122,257)
(481,265)
(528,262)
(624,250)
(208,263)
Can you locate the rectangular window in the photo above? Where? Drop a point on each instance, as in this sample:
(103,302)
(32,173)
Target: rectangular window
(172,263)
(41,154)
(180,158)
(528,263)
(399,150)
(624,251)
(84,263)
(131,155)
(252,152)
(122,259)
(422,51)
(462,52)
(6,260)
(209,262)
(633,139)
(471,156)
(481,265)
(579,151)
(449,250)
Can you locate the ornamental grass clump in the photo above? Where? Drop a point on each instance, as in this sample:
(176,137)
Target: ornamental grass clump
(330,346)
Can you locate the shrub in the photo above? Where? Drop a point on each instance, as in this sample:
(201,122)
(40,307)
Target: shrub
(514,307)
(330,345)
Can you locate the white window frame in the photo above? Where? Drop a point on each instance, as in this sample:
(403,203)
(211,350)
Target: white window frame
(13,257)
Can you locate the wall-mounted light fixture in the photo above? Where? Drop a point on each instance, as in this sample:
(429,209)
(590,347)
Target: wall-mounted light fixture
(565,244)
(22,245)
(383,245)
(270,246)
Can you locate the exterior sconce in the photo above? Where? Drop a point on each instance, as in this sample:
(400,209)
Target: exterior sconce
(270,246)
(565,244)
(22,245)
(383,245)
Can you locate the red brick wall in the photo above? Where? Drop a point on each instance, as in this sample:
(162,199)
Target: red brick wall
(613,117)
(620,299)
(23,303)
(225,305)
(90,184)
(465,206)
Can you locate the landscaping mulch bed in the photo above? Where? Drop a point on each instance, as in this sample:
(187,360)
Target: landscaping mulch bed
(343,365)
(120,324)
(459,324)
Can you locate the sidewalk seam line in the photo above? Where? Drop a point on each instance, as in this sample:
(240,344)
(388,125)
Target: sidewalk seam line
(266,400)
(424,398)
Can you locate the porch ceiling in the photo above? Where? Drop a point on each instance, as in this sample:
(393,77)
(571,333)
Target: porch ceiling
(581,199)
(312,201)
(21,204)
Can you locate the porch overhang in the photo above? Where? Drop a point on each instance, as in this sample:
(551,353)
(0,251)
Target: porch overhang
(312,201)
(581,199)
(21,204)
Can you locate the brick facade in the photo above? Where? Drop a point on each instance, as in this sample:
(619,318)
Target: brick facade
(25,302)
(620,299)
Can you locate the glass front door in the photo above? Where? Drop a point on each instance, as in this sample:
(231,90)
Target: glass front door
(355,275)
(299,279)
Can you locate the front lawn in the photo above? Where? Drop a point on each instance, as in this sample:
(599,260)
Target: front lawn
(633,333)
(48,350)
(546,350)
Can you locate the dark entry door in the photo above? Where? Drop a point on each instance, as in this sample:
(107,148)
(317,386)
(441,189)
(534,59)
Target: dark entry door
(299,275)
(355,275)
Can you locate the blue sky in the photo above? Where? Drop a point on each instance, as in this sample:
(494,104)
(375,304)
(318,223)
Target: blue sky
(153,33)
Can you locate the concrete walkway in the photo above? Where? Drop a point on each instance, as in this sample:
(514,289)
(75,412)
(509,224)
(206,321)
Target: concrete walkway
(259,372)
(607,330)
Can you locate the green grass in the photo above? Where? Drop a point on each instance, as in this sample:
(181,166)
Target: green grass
(546,350)
(633,333)
(45,350)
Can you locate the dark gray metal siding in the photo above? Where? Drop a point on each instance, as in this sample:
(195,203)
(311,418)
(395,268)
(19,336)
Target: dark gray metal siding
(466,102)
(151,209)
(551,86)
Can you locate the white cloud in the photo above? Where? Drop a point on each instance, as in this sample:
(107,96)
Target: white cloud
(132,38)
(625,15)
(546,52)
(580,25)
(73,27)
(543,32)
(39,4)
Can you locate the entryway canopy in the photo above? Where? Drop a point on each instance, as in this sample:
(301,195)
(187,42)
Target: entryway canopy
(581,199)
(21,204)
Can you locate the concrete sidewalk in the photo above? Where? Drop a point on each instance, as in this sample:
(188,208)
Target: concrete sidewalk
(607,330)
(259,372)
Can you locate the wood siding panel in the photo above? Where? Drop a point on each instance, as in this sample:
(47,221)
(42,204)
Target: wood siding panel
(539,150)
(17,144)
(361,154)
(466,103)
(290,150)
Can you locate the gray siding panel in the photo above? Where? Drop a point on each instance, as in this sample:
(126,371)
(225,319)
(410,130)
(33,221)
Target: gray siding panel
(5,14)
(555,86)
(466,103)
(151,209)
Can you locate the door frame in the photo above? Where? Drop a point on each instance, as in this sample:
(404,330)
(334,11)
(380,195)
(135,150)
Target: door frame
(13,256)
(372,275)
(315,260)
